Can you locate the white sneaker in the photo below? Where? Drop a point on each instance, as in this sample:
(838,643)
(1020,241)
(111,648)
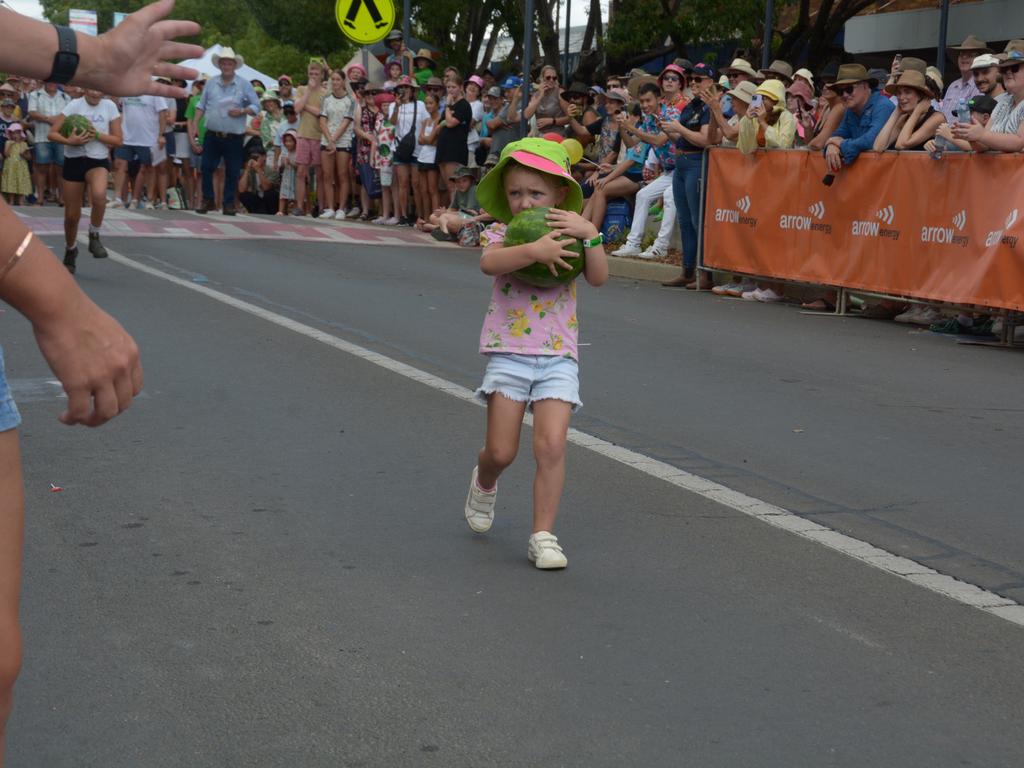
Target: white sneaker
(654,252)
(928,315)
(355,213)
(910,316)
(392,222)
(339,215)
(627,250)
(768,296)
(753,295)
(544,552)
(379,220)
(997,327)
(480,506)
(725,288)
(117,203)
(149,206)
(326,213)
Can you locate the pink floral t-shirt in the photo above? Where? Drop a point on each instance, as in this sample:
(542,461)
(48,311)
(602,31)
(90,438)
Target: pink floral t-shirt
(524,320)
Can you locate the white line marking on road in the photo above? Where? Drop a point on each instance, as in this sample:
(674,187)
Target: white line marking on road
(900,567)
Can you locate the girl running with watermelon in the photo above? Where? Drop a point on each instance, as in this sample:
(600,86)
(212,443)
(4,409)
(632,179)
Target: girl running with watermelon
(89,126)
(530,331)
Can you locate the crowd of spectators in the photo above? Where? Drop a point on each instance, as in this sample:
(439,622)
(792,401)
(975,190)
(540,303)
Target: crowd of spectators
(407,151)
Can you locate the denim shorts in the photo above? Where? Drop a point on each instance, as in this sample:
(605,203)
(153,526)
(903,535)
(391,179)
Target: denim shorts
(529,378)
(9,416)
(47,152)
(143,155)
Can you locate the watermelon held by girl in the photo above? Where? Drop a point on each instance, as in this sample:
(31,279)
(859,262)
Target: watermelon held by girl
(75,124)
(529,226)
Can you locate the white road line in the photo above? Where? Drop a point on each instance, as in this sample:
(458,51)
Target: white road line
(900,567)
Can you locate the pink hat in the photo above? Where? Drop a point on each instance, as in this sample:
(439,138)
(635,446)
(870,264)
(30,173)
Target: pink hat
(476,80)
(15,127)
(405,81)
(355,68)
(673,68)
(801,90)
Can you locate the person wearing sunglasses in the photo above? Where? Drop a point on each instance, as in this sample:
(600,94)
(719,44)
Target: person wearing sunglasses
(866,113)
(1005,129)
(547,104)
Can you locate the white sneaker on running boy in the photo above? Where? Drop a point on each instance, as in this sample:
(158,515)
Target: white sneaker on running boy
(480,506)
(544,551)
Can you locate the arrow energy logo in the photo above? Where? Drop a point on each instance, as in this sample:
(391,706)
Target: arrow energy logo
(737,215)
(946,235)
(806,223)
(997,237)
(887,215)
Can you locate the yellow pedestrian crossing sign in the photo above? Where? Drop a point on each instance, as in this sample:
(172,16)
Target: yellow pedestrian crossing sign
(365,21)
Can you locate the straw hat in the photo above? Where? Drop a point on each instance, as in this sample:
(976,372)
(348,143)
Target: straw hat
(743,67)
(1012,58)
(972,44)
(745,92)
(424,53)
(227,53)
(780,69)
(911,79)
(850,74)
(635,83)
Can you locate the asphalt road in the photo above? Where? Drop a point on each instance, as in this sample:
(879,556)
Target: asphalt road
(264,561)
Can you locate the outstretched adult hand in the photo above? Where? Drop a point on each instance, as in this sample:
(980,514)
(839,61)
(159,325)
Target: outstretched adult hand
(126,58)
(95,359)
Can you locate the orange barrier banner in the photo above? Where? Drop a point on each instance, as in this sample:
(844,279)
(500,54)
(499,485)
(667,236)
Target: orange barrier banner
(898,223)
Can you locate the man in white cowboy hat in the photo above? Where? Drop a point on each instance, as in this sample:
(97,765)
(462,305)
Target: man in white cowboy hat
(866,113)
(226,101)
(985,69)
(964,87)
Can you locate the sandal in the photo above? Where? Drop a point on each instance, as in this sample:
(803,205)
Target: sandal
(819,305)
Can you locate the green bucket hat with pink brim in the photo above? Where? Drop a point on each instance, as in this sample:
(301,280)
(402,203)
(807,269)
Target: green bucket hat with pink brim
(539,155)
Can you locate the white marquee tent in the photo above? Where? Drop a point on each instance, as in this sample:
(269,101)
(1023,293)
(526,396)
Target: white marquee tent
(205,65)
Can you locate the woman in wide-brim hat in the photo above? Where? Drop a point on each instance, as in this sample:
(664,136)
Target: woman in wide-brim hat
(914,121)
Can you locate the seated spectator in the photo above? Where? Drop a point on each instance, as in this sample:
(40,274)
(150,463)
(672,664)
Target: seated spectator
(914,121)
(624,179)
(1005,129)
(866,113)
(606,134)
(830,111)
(659,169)
(800,102)
(445,223)
(583,118)
(599,100)
(964,87)
(258,185)
(674,88)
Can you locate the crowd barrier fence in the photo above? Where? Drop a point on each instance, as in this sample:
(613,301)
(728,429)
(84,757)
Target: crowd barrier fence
(893,223)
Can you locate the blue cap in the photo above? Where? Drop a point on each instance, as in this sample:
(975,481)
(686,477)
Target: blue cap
(512,82)
(704,70)
(597,89)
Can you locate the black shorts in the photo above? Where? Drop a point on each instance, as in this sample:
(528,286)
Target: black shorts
(75,168)
(426,166)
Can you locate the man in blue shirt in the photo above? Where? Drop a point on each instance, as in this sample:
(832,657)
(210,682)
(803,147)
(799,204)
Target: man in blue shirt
(866,113)
(226,101)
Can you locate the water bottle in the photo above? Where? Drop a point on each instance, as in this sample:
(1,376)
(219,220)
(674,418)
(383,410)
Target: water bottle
(963,112)
(942,145)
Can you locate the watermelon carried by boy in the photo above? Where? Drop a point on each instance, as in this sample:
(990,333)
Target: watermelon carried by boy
(75,124)
(529,226)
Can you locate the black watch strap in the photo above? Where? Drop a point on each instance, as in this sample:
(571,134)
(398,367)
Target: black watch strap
(65,61)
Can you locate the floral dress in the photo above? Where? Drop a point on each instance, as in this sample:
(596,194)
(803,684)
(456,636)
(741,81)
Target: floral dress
(522,319)
(16,178)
